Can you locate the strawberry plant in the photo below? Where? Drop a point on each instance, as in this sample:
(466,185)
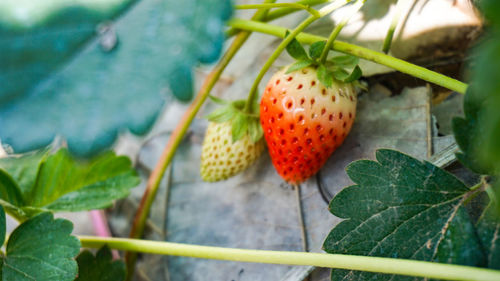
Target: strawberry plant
(403,218)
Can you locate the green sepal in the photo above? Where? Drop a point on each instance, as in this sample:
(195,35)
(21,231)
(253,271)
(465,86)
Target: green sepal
(325,76)
(239,127)
(218,100)
(298,65)
(255,129)
(295,49)
(222,114)
(346,77)
(345,61)
(316,49)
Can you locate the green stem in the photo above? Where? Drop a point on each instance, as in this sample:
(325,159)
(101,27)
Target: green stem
(277,52)
(349,262)
(279,5)
(175,139)
(337,29)
(390,33)
(361,52)
(278,13)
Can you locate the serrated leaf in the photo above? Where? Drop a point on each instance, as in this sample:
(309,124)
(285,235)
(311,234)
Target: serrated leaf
(316,49)
(346,77)
(325,76)
(298,65)
(488,230)
(64,184)
(402,208)
(222,114)
(101,267)
(345,61)
(295,49)
(239,127)
(97,94)
(41,249)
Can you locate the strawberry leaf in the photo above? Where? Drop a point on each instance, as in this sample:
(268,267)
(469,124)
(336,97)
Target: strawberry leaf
(101,267)
(255,129)
(325,76)
(488,228)
(298,65)
(396,201)
(316,49)
(41,249)
(61,183)
(3,227)
(344,76)
(295,49)
(345,61)
(58,78)
(218,100)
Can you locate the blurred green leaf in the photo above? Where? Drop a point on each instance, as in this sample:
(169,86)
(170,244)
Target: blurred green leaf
(344,76)
(402,208)
(101,267)
(56,81)
(345,61)
(41,249)
(3,228)
(64,184)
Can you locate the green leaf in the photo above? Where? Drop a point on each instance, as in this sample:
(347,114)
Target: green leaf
(344,76)
(488,230)
(65,184)
(476,133)
(57,79)
(325,76)
(41,249)
(23,169)
(316,49)
(101,267)
(402,208)
(218,100)
(3,228)
(298,65)
(346,61)
(295,49)
(239,127)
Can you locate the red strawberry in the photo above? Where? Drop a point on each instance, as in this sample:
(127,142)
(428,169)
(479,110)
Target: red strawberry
(304,122)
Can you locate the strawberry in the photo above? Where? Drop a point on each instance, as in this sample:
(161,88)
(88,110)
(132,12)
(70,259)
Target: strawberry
(233,141)
(306,113)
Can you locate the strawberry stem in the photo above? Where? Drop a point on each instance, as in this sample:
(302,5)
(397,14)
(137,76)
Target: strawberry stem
(322,12)
(406,267)
(390,32)
(176,138)
(355,8)
(299,6)
(278,13)
(358,51)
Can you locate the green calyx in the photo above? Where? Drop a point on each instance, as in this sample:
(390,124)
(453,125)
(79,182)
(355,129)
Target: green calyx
(342,68)
(242,122)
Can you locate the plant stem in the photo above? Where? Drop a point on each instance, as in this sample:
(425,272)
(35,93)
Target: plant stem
(350,262)
(176,138)
(361,52)
(277,52)
(294,6)
(278,13)
(390,33)
(338,28)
